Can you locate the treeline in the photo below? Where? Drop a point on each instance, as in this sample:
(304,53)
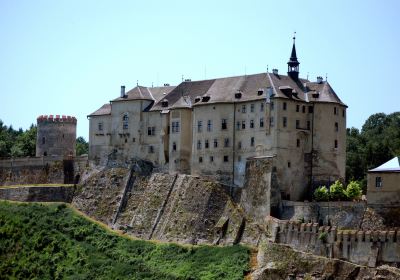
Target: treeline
(376,143)
(20,143)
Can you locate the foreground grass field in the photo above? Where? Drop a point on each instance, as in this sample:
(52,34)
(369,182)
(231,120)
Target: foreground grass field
(51,241)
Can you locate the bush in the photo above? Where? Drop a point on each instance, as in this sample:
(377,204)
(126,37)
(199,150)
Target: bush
(353,190)
(337,191)
(321,194)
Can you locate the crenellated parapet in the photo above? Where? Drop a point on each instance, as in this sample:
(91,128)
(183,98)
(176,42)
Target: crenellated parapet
(357,246)
(56,118)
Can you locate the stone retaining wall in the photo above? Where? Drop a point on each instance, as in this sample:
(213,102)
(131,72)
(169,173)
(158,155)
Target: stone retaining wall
(367,248)
(38,193)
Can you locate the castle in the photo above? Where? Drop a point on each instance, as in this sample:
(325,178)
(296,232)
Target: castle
(210,127)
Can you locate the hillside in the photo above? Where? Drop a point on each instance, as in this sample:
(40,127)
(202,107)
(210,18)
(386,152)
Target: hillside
(51,241)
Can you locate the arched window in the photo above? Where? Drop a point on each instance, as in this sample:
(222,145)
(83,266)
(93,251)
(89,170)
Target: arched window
(125,120)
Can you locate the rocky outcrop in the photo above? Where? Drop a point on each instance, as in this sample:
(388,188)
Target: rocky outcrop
(166,207)
(276,261)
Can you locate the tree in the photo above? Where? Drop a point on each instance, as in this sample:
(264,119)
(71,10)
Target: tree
(82,147)
(353,190)
(337,191)
(321,194)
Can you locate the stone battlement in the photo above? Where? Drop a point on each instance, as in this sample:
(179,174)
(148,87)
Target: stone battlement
(357,246)
(56,118)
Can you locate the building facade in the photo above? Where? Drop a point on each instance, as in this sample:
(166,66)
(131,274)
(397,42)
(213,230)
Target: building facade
(210,127)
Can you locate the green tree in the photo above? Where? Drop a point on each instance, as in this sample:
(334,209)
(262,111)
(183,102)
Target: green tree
(321,194)
(337,191)
(82,147)
(353,190)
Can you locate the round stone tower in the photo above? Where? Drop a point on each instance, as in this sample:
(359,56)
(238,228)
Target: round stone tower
(56,136)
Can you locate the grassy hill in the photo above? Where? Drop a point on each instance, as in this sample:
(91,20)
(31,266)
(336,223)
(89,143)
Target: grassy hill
(52,241)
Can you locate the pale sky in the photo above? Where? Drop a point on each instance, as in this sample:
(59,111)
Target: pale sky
(71,57)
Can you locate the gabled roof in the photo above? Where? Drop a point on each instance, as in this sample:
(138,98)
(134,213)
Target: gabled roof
(322,92)
(103,110)
(146,93)
(392,165)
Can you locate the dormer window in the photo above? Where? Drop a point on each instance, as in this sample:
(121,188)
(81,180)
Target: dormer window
(260,91)
(197,99)
(164,103)
(238,94)
(205,98)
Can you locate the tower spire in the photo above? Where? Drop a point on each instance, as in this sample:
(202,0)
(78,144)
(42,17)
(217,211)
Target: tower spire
(293,63)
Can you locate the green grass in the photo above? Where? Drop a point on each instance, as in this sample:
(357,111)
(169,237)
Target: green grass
(51,241)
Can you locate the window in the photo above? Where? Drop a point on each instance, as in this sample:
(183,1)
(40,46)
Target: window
(200,159)
(174,146)
(252,141)
(215,143)
(43,140)
(206,144)
(297,108)
(199,126)
(262,107)
(239,158)
(297,124)
(243,124)
(224,124)
(175,127)
(133,140)
(261,122)
(238,125)
(336,144)
(226,158)
(125,120)
(310,109)
(334,110)
(198,144)
(271,122)
(209,125)
(151,150)
(308,125)
(343,113)
(151,130)
(298,142)
(126,140)
(288,164)
(252,108)
(243,108)
(239,145)
(304,109)
(284,106)
(336,127)
(251,123)
(378,182)
(284,121)
(226,142)
(100,125)
(272,105)
(211,159)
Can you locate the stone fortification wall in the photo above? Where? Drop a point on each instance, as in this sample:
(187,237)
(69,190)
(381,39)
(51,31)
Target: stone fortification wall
(367,248)
(41,170)
(343,214)
(38,193)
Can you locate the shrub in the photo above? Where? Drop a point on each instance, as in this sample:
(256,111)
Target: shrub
(321,194)
(353,190)
(337,191)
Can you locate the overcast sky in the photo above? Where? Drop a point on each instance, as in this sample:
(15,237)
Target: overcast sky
(71,57)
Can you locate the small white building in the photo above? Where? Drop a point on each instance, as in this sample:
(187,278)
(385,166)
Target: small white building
(384,184)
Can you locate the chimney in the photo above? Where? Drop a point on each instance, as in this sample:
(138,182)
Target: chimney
(319,80)
(275,71)
(123,92)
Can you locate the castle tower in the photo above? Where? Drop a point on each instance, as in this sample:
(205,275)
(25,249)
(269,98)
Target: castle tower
(293,64)
(56,136)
